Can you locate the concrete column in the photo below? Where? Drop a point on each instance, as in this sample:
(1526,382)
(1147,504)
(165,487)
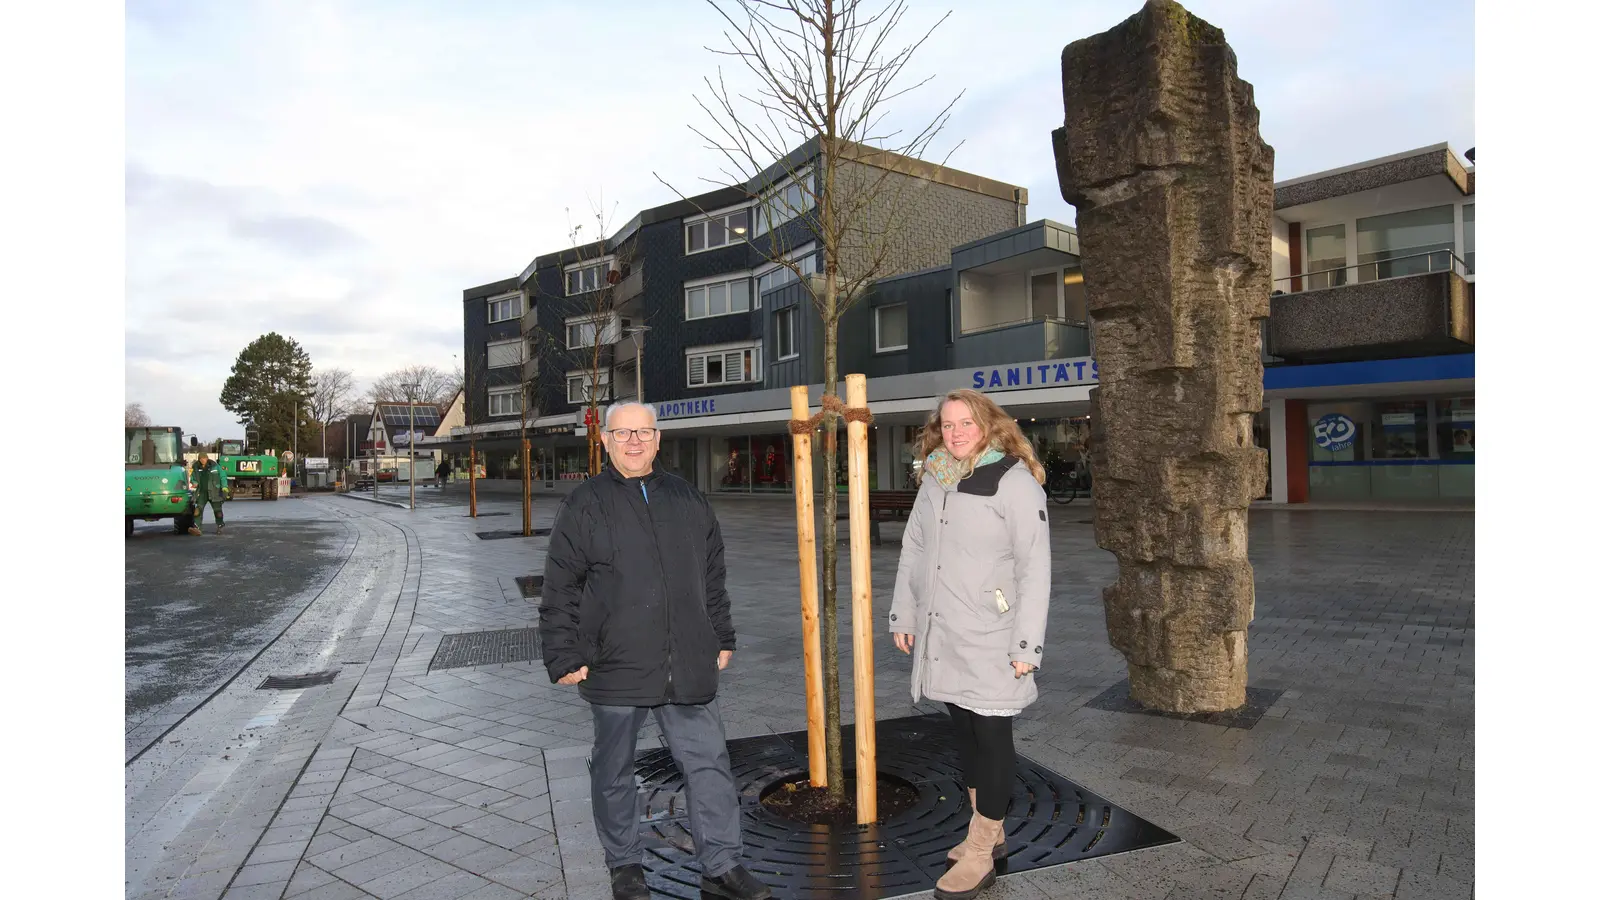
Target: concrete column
(886,457)
(1277,455)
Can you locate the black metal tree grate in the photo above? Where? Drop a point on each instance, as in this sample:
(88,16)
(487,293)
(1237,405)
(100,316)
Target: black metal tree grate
(1051,820)
(485,648)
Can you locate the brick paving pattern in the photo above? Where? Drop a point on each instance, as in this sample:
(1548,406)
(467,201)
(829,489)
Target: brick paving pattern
(397,782)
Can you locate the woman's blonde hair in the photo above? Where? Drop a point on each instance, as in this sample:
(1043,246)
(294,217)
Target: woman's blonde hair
(998,429)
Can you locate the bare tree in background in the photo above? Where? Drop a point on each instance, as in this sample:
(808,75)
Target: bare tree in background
(133,415)
(824,71)
(332,398)
(437,385)
(595,289)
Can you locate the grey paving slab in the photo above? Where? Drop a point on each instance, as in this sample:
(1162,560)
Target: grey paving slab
(1357,782)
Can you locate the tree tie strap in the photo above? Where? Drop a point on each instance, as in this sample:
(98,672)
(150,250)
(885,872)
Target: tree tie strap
(830,404)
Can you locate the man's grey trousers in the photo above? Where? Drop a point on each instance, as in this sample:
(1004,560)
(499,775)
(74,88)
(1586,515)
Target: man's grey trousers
(699,746)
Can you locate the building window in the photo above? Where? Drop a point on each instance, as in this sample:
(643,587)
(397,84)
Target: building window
(949,316)
(503,308)
(1325,257)
(783,333)
(783,202)
(728,364)
(1413,242)
(581,387)
(891,327)
(777,275)
(588,276)
(1469,241)
(505,401)
(582,331)
(715,231)
(702,300)
(505,353)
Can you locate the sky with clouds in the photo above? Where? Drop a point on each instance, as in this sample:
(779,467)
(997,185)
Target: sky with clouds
(340,171)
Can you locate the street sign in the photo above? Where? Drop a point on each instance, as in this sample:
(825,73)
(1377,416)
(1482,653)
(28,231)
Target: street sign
(316,464)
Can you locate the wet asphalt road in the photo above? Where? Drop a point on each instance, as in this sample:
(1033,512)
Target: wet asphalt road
(198,608)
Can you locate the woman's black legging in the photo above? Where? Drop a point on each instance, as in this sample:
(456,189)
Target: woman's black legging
(988,759)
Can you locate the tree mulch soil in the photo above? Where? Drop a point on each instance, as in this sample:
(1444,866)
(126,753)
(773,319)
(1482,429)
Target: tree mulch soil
(795,799)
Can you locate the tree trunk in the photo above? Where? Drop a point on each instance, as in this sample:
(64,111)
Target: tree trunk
(472,478)
(830,549)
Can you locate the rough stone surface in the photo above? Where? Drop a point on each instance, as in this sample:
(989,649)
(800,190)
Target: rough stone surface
(1162,155)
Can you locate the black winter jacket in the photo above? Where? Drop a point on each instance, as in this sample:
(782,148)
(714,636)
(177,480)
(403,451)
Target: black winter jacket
(633,589)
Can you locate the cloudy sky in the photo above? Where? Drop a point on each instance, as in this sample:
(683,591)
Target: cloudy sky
(340,171)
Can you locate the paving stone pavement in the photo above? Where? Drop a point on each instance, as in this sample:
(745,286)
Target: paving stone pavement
(400,782)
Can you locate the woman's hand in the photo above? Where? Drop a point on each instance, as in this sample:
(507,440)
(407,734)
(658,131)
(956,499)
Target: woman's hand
(904,641)
(1021,667)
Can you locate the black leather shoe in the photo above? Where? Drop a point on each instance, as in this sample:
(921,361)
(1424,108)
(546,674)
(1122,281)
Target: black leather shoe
(627,883)
(737,884)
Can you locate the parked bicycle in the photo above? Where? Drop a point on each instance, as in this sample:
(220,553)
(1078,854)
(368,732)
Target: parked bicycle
(1069,483)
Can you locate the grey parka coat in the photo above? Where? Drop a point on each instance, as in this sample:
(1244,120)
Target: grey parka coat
(964,550)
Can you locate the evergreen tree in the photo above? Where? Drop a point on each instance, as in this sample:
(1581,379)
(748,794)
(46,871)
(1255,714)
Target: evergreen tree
(269,377)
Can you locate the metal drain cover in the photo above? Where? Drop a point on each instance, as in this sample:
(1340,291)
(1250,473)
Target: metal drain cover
(486,648)
(502,535)
(291,682)
(1051,820)
(530,585)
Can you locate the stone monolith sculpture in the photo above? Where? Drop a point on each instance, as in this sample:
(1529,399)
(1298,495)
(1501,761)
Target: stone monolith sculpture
(1162,155)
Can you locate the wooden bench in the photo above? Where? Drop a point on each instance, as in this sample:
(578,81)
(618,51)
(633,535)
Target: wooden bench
(882,505)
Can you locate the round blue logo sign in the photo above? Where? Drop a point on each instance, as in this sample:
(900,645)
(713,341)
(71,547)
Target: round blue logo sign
(1334,432)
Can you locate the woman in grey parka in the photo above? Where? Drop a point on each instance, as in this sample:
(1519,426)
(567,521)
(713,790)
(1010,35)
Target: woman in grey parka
(970,603)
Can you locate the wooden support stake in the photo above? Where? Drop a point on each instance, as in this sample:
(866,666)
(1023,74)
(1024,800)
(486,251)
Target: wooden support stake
(810,625)
(861,609)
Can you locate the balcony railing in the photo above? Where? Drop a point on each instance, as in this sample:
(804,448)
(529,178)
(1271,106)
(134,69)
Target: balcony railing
(1423,263)
(1030,320)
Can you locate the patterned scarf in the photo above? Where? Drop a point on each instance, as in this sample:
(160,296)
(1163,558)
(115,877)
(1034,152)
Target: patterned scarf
(949,470)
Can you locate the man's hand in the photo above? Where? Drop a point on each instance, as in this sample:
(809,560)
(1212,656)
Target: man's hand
(904,641)
(723,658)
(574,677)
(1021,667)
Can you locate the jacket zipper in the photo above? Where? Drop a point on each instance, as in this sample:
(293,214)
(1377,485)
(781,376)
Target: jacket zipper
(666,597)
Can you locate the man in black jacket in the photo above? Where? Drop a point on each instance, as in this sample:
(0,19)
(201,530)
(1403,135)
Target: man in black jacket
(635,613)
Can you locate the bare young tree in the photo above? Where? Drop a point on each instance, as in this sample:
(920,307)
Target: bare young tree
(596,289)
(332,398)
(825,73)
(133,414)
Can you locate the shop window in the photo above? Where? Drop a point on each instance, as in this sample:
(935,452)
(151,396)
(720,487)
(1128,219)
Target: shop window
(730,467)
(1401,430)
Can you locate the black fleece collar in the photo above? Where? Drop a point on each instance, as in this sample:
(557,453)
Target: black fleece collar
(985,480)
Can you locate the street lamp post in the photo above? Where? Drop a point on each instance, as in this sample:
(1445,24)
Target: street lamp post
(411,440)
(637,332)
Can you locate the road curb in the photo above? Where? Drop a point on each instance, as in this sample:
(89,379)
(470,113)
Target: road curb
(356,496)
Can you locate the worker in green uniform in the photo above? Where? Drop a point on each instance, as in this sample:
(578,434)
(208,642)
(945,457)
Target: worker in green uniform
(210,486)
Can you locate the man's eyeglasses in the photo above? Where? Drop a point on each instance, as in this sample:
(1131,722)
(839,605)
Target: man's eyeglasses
(621,435)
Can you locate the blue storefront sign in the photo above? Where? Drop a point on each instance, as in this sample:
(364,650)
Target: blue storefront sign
(1334,432)
(1046,374)
(684,408)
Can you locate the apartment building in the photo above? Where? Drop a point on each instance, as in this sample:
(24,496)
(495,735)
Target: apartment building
(694,305)
(1370,340)
(1368,351)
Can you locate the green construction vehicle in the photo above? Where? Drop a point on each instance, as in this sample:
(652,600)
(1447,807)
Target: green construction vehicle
(250,475)
(157,482)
